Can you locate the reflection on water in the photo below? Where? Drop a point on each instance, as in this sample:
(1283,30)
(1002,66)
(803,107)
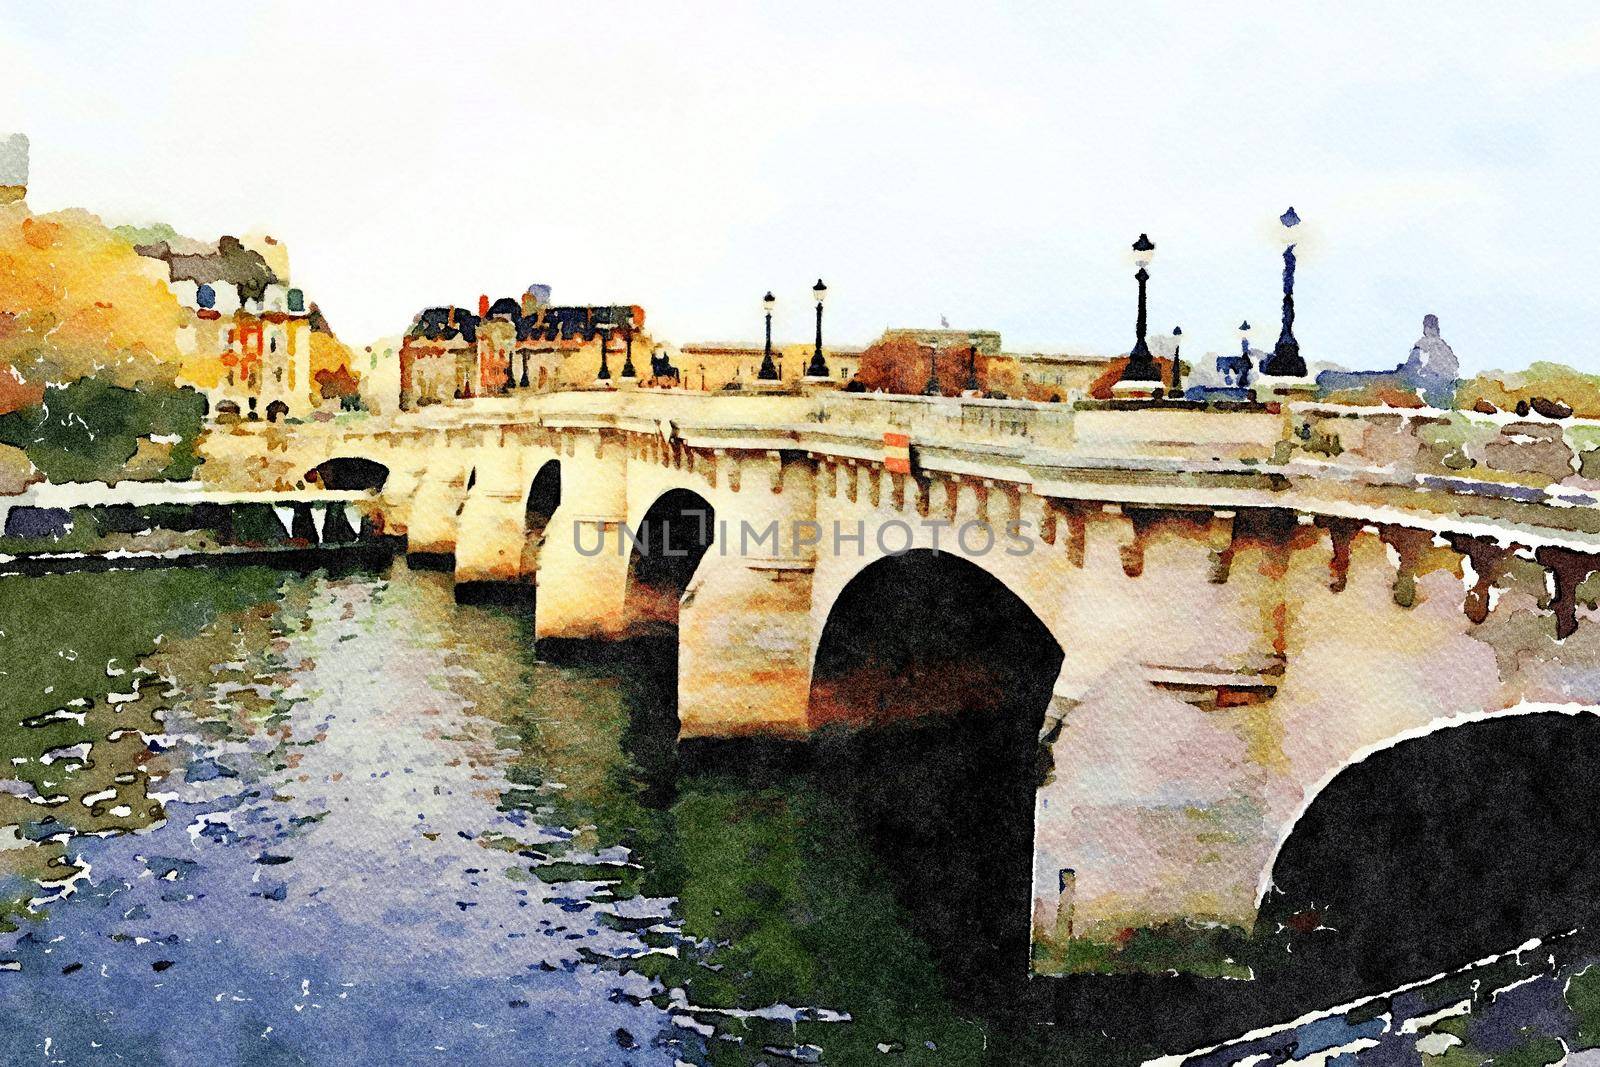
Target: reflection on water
(254,817)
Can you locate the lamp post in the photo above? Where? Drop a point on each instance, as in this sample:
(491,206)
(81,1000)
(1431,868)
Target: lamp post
(1244,353)
(1285,361)
(1177,362)
(768,371)
(818,367)
(932,386)
(605,342)
(627,363)
(1141,368)
(972,368)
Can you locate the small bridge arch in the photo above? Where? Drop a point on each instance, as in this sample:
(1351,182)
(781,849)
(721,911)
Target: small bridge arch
(544,497)
(349,472)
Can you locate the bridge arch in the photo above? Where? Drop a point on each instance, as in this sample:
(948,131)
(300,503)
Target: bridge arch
(928,691)
(544,496)
(928,633)
(1442,845)
(349,472)
(668,544)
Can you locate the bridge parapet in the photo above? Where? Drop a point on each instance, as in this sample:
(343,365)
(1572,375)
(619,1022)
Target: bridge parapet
(1517,449)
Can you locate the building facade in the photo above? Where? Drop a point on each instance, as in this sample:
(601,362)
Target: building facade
(246,341)
(710,366)
(511,345)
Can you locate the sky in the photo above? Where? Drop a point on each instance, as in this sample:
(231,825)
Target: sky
(986,163)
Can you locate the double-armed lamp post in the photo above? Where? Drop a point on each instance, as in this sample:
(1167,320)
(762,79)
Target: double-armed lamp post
(627,363)
(931,387)
(1244,353)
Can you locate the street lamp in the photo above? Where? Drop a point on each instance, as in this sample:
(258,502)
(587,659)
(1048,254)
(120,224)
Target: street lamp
(1141,368)
(932,386)
(1177,361)
(818,367)
(627,363)
(1285,361)
(768,372)
(1244,354)
(605,342)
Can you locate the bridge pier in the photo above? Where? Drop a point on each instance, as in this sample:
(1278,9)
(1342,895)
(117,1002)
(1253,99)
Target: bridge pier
(745,627)
(432,523)
(491,531)
(583,567)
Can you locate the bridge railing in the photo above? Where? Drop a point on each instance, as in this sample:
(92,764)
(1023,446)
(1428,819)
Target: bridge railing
(963,419)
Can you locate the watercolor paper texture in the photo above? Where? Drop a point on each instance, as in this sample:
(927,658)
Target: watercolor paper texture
(757,536)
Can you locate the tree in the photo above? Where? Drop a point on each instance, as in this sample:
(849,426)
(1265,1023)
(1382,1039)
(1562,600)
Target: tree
(341,385)
(901,366)
(89,429)
(76,300)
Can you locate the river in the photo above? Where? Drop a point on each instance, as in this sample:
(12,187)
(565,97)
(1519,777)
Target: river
(253,816)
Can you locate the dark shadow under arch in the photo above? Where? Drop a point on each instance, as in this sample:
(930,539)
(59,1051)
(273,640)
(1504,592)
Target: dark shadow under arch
(930,686)
(1440,850)
(668,545)
(544,496)
(929,634)
(350,473)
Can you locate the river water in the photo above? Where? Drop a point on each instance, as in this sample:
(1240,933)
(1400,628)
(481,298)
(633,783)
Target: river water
(251,816)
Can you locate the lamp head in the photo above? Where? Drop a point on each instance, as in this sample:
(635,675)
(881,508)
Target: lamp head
(1144,251)
(819,290)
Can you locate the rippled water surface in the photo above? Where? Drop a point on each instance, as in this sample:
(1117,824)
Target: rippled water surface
(255,817)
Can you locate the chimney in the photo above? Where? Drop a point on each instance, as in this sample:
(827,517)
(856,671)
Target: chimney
(13,167)
(483,305)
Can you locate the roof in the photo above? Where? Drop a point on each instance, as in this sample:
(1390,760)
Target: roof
(445,324)
(547,323)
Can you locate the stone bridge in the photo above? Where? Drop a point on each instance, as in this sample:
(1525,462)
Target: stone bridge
(1202,616)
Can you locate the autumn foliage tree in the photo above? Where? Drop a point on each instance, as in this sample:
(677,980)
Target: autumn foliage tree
(88,348)
(901,365)
(77,301)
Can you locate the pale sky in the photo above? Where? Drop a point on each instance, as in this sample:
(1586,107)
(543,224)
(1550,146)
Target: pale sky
(987,163)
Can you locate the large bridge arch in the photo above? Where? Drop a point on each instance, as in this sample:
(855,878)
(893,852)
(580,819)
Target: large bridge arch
(1446,843)
(668,544)
(931,619)
(930,685)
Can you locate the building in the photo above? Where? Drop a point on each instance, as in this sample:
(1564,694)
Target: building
(986,341)
(1060,373)
(510,345)
(247,343)
(711,366)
